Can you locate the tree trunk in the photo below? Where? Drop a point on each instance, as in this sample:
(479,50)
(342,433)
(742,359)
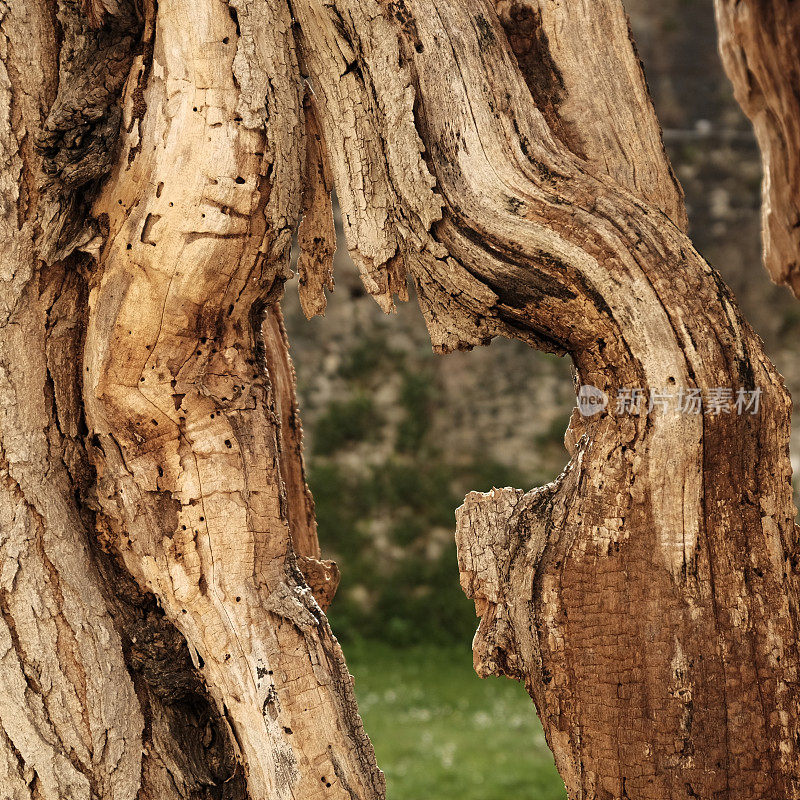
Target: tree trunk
(161,636)
(648,598)
(760,47)
(154,495)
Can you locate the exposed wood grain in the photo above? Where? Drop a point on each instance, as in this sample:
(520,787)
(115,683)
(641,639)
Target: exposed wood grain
(760,47)
(649,597)
(197,442)
(586,78)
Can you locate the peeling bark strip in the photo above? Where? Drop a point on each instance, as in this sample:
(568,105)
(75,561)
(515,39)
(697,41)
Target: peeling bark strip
(760,47)
(316,236)
(649,597)
(196,436)
(321,575)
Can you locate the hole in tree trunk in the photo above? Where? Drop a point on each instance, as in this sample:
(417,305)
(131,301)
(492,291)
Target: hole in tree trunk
(395,436)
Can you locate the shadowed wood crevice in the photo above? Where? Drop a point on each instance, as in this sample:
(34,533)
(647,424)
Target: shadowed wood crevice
(190,751)
(78,137)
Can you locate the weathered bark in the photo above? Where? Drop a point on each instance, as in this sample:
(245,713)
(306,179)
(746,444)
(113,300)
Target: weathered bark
(648,598)
(210,512)
(71,723)
(760,47)
(187,421)
(160,635)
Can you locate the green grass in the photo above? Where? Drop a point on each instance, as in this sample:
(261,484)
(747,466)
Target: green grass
(441,733)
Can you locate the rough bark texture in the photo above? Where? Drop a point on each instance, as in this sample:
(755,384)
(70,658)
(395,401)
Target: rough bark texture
(649,598)
(186,415)
(71,723)
(160,638)
(760,46)
(170,507)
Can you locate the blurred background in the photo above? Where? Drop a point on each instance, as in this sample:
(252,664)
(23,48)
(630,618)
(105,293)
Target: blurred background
(396,436)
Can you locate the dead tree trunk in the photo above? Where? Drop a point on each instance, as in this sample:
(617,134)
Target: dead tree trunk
(159,541)
(760,47)
(153,493)
(648,598)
